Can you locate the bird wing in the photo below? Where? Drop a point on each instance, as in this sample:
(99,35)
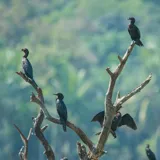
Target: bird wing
(27,67)
(134,32)
(150,154)
(62,110)
(138,32)
(99,117)
(129,121)
(129,31)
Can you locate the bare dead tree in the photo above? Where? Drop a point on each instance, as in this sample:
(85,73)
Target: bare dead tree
(94,151)
(110,107)
(39,119)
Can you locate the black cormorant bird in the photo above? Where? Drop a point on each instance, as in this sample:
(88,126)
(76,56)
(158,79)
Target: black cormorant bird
(61,109)
(117,121)
(149,153)
(134,32)
(26,65)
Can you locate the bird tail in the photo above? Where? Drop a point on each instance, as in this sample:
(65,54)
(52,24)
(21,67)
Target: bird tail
(113,133)
(139,43)
(34,82)
(64,125)
(64,128)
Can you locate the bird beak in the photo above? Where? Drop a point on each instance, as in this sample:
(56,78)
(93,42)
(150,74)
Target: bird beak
(55,94)
(22,49)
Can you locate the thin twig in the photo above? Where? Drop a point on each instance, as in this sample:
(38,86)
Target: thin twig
(123,99)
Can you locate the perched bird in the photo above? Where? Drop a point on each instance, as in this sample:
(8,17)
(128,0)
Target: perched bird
(134,32)
(117,121)
(149,153)
(61,109)
(26,65)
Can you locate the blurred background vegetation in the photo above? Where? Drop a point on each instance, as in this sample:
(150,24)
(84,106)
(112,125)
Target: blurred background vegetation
(71,42)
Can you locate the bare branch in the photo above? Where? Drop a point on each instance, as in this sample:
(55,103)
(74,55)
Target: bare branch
(33,98)
(123,99)
(124,60)
(64,158)
(37,127)
(29,134)
(40,101)
(82,151)
(77,130)
(120,59)
(109,71)
(39,119)
(44,128)
(23,154)
(110,110)
(118,95)
(21,134)
(27,80)
(40,95)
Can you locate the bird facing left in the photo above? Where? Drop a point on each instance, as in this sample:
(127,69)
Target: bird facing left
(61,110)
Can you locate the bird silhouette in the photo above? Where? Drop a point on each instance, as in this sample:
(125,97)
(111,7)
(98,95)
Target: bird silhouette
(117,121)
(149,153)
(26,66)
(134,32)
(61,110)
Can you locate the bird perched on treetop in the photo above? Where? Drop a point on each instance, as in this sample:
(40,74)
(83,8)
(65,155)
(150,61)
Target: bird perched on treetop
(61,109)
(149,153)
(117,121)
(134,32)
(26,65)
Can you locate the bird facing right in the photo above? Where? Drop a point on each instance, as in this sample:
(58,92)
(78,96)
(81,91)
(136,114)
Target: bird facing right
(149,153)
(134,31)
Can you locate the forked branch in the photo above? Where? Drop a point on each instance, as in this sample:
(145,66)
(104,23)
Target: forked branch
(40,101)
(123,99)
(23,154)
(39,119)
(77,130)
(111,109)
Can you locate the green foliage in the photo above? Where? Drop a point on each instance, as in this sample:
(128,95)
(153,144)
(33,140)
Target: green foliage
(71,42)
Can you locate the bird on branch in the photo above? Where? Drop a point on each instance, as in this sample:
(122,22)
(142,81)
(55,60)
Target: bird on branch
(134,32)
(149,153)
(26,66)
(61,110)
(117,121)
